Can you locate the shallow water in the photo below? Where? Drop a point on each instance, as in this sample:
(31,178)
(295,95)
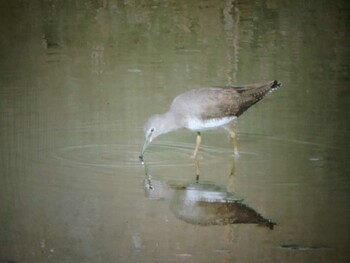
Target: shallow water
(79,80)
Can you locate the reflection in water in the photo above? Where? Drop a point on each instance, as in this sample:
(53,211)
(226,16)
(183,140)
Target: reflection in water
(78,79)
(97,61)
(231,18)
(204,203)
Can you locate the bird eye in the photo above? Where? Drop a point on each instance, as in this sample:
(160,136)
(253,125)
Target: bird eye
(152,130)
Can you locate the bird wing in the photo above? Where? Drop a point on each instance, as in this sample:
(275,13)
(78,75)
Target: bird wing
(208,103)
(219,102)
(253,93)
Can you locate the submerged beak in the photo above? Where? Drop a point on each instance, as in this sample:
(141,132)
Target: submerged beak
(147,141)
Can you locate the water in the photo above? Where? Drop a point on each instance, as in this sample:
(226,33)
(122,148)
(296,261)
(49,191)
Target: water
(78,81)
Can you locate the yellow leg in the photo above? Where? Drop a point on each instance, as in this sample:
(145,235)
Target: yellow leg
(198,169)
(198,144)
(233,140)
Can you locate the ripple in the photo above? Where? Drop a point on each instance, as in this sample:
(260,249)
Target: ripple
(165,153)
(282,140)
(114,155)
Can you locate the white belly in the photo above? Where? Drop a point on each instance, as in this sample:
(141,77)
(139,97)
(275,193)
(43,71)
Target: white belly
(200,125)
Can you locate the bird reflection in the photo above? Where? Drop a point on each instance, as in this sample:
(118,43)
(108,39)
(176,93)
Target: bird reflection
(203,202)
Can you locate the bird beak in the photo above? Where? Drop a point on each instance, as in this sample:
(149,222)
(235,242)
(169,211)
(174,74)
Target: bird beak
(147,141)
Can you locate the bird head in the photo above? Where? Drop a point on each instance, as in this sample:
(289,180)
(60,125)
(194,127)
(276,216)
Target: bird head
(153,128)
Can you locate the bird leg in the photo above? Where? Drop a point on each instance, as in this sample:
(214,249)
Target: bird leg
(198,143)
(233,140)
(198,169)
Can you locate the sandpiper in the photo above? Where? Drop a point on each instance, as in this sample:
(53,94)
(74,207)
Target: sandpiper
(207,108)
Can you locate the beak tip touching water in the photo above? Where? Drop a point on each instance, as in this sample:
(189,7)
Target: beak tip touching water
(147,141)
(141,155)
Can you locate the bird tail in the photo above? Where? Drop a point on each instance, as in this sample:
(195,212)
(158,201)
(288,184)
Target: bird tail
(251,94)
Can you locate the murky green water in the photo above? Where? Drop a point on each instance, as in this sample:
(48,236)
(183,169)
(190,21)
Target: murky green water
(78,80)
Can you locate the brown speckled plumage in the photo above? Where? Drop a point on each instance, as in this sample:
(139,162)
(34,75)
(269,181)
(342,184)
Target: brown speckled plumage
(218,102)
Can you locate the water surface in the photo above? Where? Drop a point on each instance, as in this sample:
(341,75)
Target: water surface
(78,81)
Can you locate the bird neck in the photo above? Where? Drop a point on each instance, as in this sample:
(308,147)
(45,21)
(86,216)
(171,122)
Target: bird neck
(171,121)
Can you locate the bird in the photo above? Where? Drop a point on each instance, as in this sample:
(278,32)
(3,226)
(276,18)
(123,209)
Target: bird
(207,109)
